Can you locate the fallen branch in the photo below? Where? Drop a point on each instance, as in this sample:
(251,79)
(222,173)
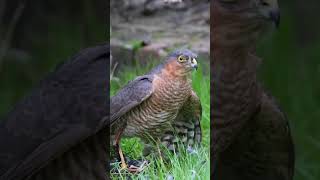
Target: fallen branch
(6,42)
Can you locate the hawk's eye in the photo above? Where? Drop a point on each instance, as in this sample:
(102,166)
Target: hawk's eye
(182,58)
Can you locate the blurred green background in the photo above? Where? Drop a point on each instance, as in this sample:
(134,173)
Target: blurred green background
(49,32)
(37,35)
(291,72)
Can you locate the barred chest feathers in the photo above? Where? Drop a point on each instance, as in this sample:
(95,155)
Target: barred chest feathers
(155,114)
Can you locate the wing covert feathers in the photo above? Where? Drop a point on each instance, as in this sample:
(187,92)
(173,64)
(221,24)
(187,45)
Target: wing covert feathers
(130,96)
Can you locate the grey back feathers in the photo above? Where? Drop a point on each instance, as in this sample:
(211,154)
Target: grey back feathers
(130,96)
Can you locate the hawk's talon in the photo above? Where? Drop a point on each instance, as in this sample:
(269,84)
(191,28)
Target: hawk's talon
(123,166)
(132,168)
(137,169)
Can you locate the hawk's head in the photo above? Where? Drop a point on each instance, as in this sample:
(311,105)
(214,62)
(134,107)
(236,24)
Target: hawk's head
(243,20)
(181,62)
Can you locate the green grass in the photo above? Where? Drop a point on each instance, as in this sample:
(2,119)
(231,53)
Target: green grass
(185,165)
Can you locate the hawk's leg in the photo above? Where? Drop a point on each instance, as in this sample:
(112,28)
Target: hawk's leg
(124,165)
(117,139)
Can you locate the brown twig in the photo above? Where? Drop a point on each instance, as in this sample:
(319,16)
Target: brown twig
(113,66)
(6,42)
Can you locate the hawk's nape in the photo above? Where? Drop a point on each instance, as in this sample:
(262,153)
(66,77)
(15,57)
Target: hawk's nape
(60,130)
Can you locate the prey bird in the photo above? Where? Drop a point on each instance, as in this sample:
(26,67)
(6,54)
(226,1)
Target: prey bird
(251,138)
(159,106)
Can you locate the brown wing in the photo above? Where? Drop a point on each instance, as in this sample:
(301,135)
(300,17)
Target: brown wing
(68,107)
(130,96)
(187,124)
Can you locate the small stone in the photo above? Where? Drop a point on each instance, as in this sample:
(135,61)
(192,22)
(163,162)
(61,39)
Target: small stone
(191,150)
(170,177)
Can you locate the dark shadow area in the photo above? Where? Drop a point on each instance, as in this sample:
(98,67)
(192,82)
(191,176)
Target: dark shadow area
(55,89)
(291,72)
(37,35)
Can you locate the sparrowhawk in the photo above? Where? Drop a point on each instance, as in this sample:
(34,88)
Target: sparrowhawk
(159,105)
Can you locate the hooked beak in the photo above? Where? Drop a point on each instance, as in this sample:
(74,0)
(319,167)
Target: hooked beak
(275,17)
(194,64)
